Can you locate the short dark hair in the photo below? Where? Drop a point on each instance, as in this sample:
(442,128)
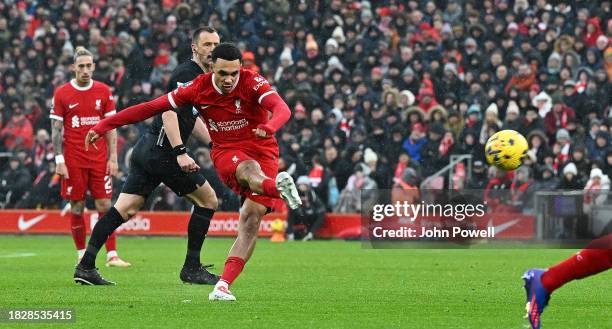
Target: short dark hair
(227,51)
(195,36)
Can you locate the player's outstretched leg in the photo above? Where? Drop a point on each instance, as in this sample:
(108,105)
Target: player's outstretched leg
(287,189)
(248,228)
(126,206)
(249,173)
(205,202)
(540,284)
(112,257)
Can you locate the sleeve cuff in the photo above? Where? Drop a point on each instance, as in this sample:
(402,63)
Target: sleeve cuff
(56,117)
(264,95)
(171,100)
(108,114)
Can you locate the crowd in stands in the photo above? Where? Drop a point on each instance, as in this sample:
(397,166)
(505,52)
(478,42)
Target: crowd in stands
(382,92)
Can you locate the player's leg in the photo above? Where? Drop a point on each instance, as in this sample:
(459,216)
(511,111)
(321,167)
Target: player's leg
(251,214)
(77,226)
(112,257)
(249,173)
(101,187)
(540,284)
(73,190)
(205,203)
(126,206)
(135,190)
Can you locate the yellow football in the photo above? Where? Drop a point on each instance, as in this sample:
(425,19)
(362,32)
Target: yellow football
(506,149)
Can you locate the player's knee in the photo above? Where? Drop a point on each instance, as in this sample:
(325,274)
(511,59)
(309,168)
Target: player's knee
(130,212)
(77,207)
(103,205)
(252,225)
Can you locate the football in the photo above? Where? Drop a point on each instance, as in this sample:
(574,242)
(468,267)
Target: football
(506,149)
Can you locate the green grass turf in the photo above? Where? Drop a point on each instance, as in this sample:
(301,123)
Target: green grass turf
(321,284)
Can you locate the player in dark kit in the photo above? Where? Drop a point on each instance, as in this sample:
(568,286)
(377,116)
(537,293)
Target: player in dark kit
(160,156)
(235,104)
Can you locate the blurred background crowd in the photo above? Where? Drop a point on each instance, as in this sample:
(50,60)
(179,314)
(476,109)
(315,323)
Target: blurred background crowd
(382,92)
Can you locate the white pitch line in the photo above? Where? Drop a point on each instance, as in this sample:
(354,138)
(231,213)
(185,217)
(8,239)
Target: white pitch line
(18,255)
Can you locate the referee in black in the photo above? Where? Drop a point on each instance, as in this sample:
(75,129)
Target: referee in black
(160,156)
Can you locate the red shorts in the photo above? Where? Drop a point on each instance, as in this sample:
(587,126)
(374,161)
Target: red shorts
(227,160)
(81,180)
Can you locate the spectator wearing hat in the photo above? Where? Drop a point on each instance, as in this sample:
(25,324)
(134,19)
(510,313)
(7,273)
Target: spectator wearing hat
(431,159)
(573,99)
(599,151)
(581,160)
(548,181)
(538,146)
(596,189)
(558,118)
(513,118)
(570,179)
(479,179)
(491,123)
(562,148)
(415,141)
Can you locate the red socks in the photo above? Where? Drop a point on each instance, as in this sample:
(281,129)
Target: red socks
(79,234)
(233,267)
(585,263)
(111,243)
(269,188)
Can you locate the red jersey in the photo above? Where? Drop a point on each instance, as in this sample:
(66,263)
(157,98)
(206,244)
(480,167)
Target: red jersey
(230,118)
(81,108)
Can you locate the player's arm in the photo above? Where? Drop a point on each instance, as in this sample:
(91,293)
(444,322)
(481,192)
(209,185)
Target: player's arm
(57,134)
(179,97)
(171,126)
(57,138)
(272,102)
(132,114)
(111,140)
(200,132)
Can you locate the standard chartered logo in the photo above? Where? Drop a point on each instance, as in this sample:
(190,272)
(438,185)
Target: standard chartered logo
(75,122)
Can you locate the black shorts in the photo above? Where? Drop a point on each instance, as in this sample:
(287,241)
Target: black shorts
(151,165)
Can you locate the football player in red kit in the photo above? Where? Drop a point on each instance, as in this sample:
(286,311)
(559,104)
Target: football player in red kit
(77,106)
(540,283)
(235,104)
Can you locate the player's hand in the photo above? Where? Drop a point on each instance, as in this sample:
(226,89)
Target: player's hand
(262,131)
(62,170)
(112,168)
(186,163)
(91,138)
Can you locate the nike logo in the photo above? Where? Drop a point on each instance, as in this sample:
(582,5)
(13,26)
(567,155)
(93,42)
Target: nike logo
(204,107)
(26,224)
(72,105)
(502,227)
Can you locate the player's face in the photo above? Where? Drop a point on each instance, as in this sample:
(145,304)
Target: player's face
(83,69)
(226,74)
(204,47)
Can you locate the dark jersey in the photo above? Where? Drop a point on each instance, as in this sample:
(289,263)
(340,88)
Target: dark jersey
(187,115)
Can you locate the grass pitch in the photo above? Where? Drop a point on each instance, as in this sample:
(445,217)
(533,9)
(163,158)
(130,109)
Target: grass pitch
(320,284)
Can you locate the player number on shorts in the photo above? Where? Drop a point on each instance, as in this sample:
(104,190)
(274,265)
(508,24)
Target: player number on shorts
(108,184)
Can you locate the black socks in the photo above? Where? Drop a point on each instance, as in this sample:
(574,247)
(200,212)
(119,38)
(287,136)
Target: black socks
(196,233)
(100,233)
